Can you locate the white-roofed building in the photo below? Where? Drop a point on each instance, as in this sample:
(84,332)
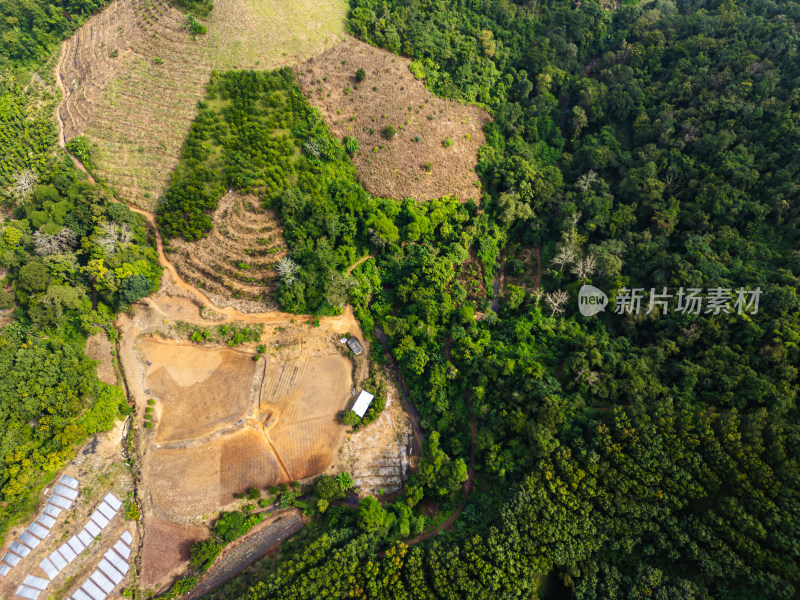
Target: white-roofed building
(28,592)
(4,569)
(57,560)
(39,531)
(84,536)
(20,549)
(100,519)
(362,403)
(76,545)
(69,481)
(51,510)
(63,490)
(11,558)
(102,582)
(113,501)
(60,502)
(94,591)
(67,552)
(48,567)
(46,520)
(79,594)
(107,511)
(122,549)
(36,582)
(108,569)
(115,560)
(29,540)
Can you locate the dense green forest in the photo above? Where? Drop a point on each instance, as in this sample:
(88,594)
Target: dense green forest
(642,145)
(654,145)
(70,258)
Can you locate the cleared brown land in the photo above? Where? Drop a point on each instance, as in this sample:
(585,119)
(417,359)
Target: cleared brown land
(225,423)
(98,347)
(235,264)
(199,480)
(132,76)
(303,397)
(390,95)
(165,551)
(199,389)
(380,456)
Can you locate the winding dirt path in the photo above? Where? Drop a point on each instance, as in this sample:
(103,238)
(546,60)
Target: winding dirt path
(61,140)
(358,262)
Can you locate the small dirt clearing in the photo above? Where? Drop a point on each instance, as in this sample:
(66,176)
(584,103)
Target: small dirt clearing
(98,347)
(222,422)
(225,423)
(433,149)
(379,456)
(186,483)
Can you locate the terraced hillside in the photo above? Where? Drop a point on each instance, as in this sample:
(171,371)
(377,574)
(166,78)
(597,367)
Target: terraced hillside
(235,264)
(132,76)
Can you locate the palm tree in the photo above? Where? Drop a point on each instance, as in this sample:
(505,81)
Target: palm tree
(345,480)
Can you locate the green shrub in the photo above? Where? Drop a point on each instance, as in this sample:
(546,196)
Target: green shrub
(131,510)
(193,25)
(389,132)
(447,143)
(361,75)
(351,145)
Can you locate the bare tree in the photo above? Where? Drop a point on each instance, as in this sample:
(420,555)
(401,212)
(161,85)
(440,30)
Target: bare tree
(564,256)
(58,243)
(556,300)
(376,239)
(586,180)
(109,236)
(125,234)
(24,182)
(287,269)
(585,267)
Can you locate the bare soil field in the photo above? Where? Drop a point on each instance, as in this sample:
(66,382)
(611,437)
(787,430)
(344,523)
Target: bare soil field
(199,389)
(235,264)
(165,551)
(98,347)
(131,76)
(418,162)
(216,409)
(187,483)
(220,431)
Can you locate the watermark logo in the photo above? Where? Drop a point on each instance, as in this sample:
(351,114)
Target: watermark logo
(712,301)
(591,300)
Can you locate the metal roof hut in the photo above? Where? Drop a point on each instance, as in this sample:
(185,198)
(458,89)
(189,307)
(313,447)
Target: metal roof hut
(362,403)
(355,346)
